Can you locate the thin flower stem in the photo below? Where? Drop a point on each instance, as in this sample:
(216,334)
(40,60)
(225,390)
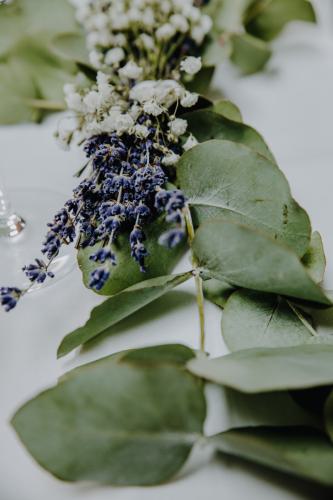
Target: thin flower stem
(198,280)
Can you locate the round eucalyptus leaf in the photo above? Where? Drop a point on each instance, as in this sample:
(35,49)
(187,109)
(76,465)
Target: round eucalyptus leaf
(314,259)
(119,421)
(227,109)
(249,53)
(242,186)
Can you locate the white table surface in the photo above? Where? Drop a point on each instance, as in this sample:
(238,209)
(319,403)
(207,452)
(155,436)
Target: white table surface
(292,105)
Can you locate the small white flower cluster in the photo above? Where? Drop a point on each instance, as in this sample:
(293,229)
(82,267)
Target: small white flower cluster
(154,22)
(138,48)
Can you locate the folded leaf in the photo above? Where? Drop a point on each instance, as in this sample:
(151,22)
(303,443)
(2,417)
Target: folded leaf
(242,186)
(246,258)
(268,370)
(119,307)
(301,452)
(217,291)
(115,421)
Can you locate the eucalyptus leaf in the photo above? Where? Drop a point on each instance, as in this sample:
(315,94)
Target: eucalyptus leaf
(242,186)
(36,18)
(328,410)
(249,53)
(300,451)
(252,319)
(249,259)
(267,370)
(268,409)
(227,15)
(266,19)
(217,291)
(71,46)
(216,50)
(206,125)
(314,259)
(202,80)
(115,421)
(118,307)
(161,260)
(227,109)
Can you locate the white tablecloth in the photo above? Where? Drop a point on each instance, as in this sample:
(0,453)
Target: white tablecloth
(292,105)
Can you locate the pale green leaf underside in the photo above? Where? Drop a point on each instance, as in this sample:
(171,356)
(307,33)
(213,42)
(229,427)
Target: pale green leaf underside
(118,307)
(267,370)
(301,452)
(115,421)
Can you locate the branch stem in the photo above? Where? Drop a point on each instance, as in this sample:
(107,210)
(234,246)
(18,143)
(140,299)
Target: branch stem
(198,280)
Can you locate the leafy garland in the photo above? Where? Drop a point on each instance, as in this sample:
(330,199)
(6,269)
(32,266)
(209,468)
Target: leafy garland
(253,254)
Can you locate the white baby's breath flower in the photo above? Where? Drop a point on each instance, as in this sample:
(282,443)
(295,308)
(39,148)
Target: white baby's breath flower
(190,143)
(99,21)
(92,101)
(147,41)
(120,40)
(189,99)
(141,131)
(74,102)
(114,56)
(198,34)
(148,18)
(152,108)
(179,22)
(69,88)
(124,123)
(170,159)
(165,32)
(206,23)
(131,70)
(95,59)
(135,111)
(191,65)
(178,126)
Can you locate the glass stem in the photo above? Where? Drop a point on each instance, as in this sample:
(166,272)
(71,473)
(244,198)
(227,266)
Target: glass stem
(11,224)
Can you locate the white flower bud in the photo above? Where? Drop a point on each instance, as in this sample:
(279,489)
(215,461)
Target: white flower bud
(92,101)
(95,58)
(190,143)
(74,102)
(178,126)
(141,131)
(189,99)
(147,41)
(180,23)
(170,159)
(124,122)
(152,108)
(165,32)
(131,70)
(114,56)
(191,65)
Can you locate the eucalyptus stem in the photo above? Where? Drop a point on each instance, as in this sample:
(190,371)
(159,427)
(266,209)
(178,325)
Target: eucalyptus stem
(198,280)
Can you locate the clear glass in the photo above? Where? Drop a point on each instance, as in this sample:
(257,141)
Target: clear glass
(24,215)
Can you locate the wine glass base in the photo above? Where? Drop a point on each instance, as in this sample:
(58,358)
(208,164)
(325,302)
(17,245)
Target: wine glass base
(37,207)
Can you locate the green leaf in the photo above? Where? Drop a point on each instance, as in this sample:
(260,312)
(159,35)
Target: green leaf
(266,19)
(202,80)
(252,319)
(301,452)
(249,53)
(161,260)
(227,109)
(118,307)
(328,411)
(216,50)
(115,421)
(254,410)
(217,291)
(206,125)
(17,90)
(36,18)
(227,15)
(71,46)
(268,370)
(314,259)
(246,258)
(242,186)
